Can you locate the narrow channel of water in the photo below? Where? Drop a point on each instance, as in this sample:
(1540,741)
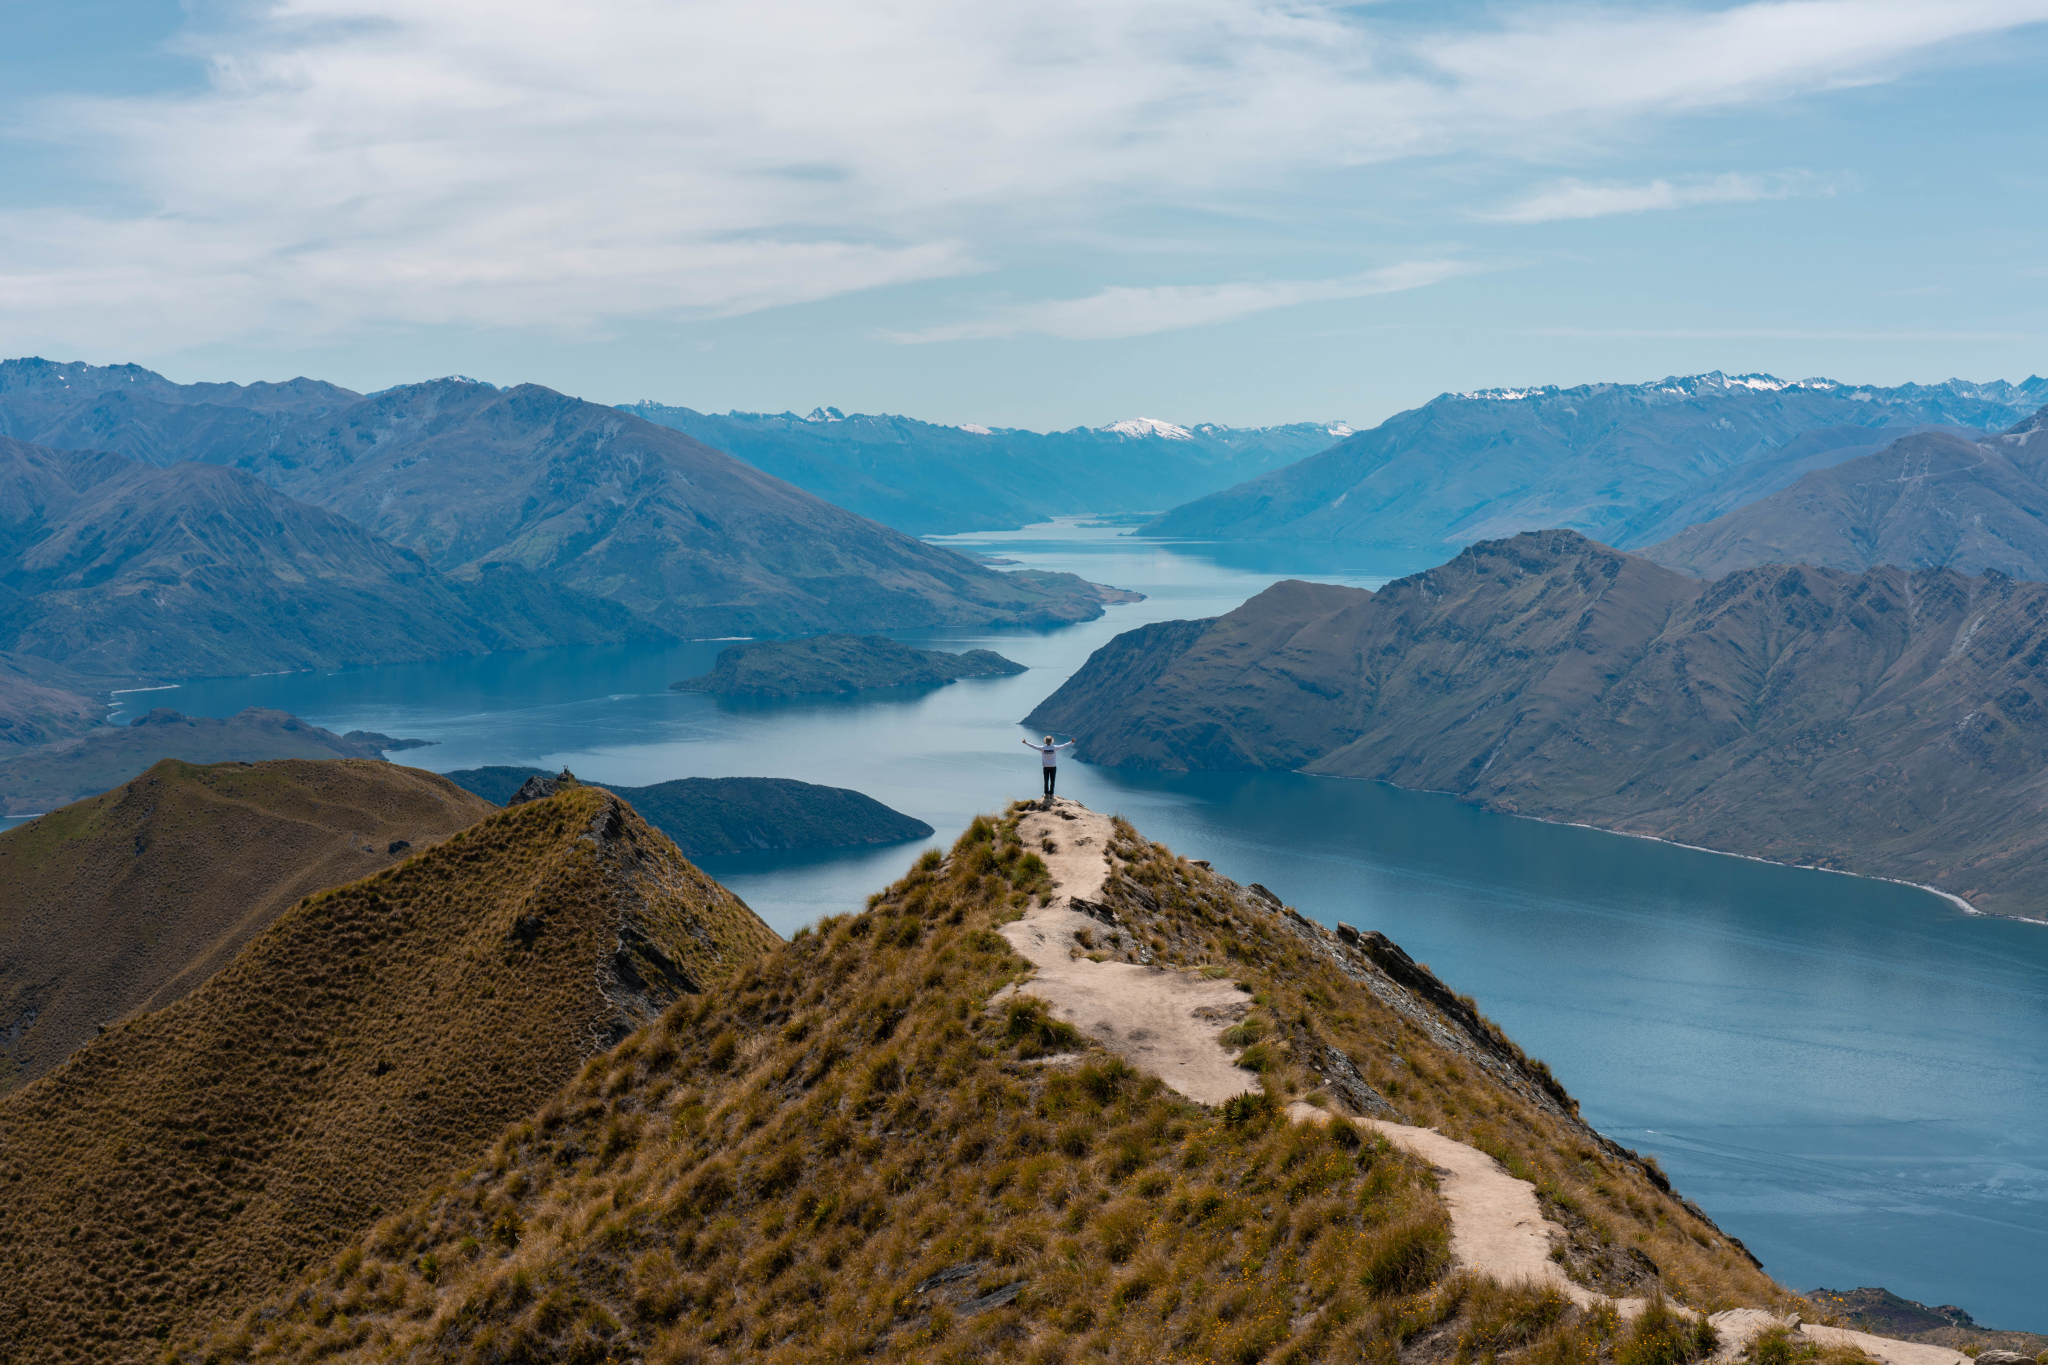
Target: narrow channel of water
(1847,1074)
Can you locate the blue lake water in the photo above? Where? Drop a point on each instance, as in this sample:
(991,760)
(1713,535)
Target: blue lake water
(1849,1075)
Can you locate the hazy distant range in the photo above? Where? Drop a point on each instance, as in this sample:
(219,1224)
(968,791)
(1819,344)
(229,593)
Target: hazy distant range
(929,479)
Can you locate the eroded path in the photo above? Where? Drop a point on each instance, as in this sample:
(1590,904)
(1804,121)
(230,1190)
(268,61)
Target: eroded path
(1161,1021)
(1169,1023)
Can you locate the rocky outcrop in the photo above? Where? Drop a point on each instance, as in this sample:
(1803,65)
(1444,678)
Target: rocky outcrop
(1891,723)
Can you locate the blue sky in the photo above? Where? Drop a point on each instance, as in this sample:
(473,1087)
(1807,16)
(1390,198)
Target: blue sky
(1041,214)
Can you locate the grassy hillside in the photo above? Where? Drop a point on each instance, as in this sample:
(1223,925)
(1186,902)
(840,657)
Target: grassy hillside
(191,1160)
(855,1151)
(127,901)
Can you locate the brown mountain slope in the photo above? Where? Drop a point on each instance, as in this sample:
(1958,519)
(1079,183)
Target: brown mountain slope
(370,1039)
(125,902)
(1933,500)
(1889,723)
(114,568)
(41,779)
(863,1150)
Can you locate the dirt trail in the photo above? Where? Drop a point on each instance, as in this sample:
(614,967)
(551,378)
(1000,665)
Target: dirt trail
(1159,1021)
(1168,1023)
(1497,1227)
(1739,1326)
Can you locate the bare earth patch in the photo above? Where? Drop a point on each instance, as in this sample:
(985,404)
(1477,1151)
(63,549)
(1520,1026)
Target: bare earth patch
(1164,1022)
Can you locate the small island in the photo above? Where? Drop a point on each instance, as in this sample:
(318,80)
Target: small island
(838,663)
(708,816)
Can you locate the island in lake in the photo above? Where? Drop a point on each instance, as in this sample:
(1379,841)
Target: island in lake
(838,663)
(712,815)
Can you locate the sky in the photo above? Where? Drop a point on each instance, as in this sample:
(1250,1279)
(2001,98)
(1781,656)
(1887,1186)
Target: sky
(1041,214)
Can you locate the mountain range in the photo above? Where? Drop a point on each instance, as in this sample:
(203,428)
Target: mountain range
(1892,722)
(1626,463)
(469,477)
(1930,500)
(928,479)
(111,568)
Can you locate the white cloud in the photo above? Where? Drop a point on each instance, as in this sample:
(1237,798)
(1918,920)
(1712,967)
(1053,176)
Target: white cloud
(1575,199)
(1776,334)
(367,164)
(1127,311)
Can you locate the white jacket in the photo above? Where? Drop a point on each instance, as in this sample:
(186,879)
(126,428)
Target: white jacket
(1048,754)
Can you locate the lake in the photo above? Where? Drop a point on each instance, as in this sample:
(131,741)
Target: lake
(1847,1074)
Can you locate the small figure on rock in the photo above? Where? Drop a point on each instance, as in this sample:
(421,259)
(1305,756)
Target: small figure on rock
(1049,760)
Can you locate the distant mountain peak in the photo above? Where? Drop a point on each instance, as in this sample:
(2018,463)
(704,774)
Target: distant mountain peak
(1149,426)
(976,429)
(825,415)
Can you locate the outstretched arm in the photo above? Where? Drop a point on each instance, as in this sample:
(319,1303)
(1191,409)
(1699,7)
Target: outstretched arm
(1064,744)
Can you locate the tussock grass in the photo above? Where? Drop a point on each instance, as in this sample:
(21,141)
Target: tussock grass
(855,1151)
(848,1153)
(127,901)
(1322,1005)
(370,1040)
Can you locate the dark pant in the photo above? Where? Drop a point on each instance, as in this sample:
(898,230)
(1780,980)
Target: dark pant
(1050,773)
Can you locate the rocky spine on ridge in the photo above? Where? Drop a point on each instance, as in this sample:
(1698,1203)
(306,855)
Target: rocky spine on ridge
(875,1142)
(1890,723)
(355,1052)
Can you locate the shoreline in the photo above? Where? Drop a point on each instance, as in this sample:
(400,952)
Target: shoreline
(1957,901)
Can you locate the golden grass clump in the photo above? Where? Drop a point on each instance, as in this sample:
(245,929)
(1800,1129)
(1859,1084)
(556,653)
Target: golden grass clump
(864,1147)
(369,1041)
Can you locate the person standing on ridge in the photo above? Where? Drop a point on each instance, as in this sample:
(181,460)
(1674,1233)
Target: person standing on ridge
(1049,759)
